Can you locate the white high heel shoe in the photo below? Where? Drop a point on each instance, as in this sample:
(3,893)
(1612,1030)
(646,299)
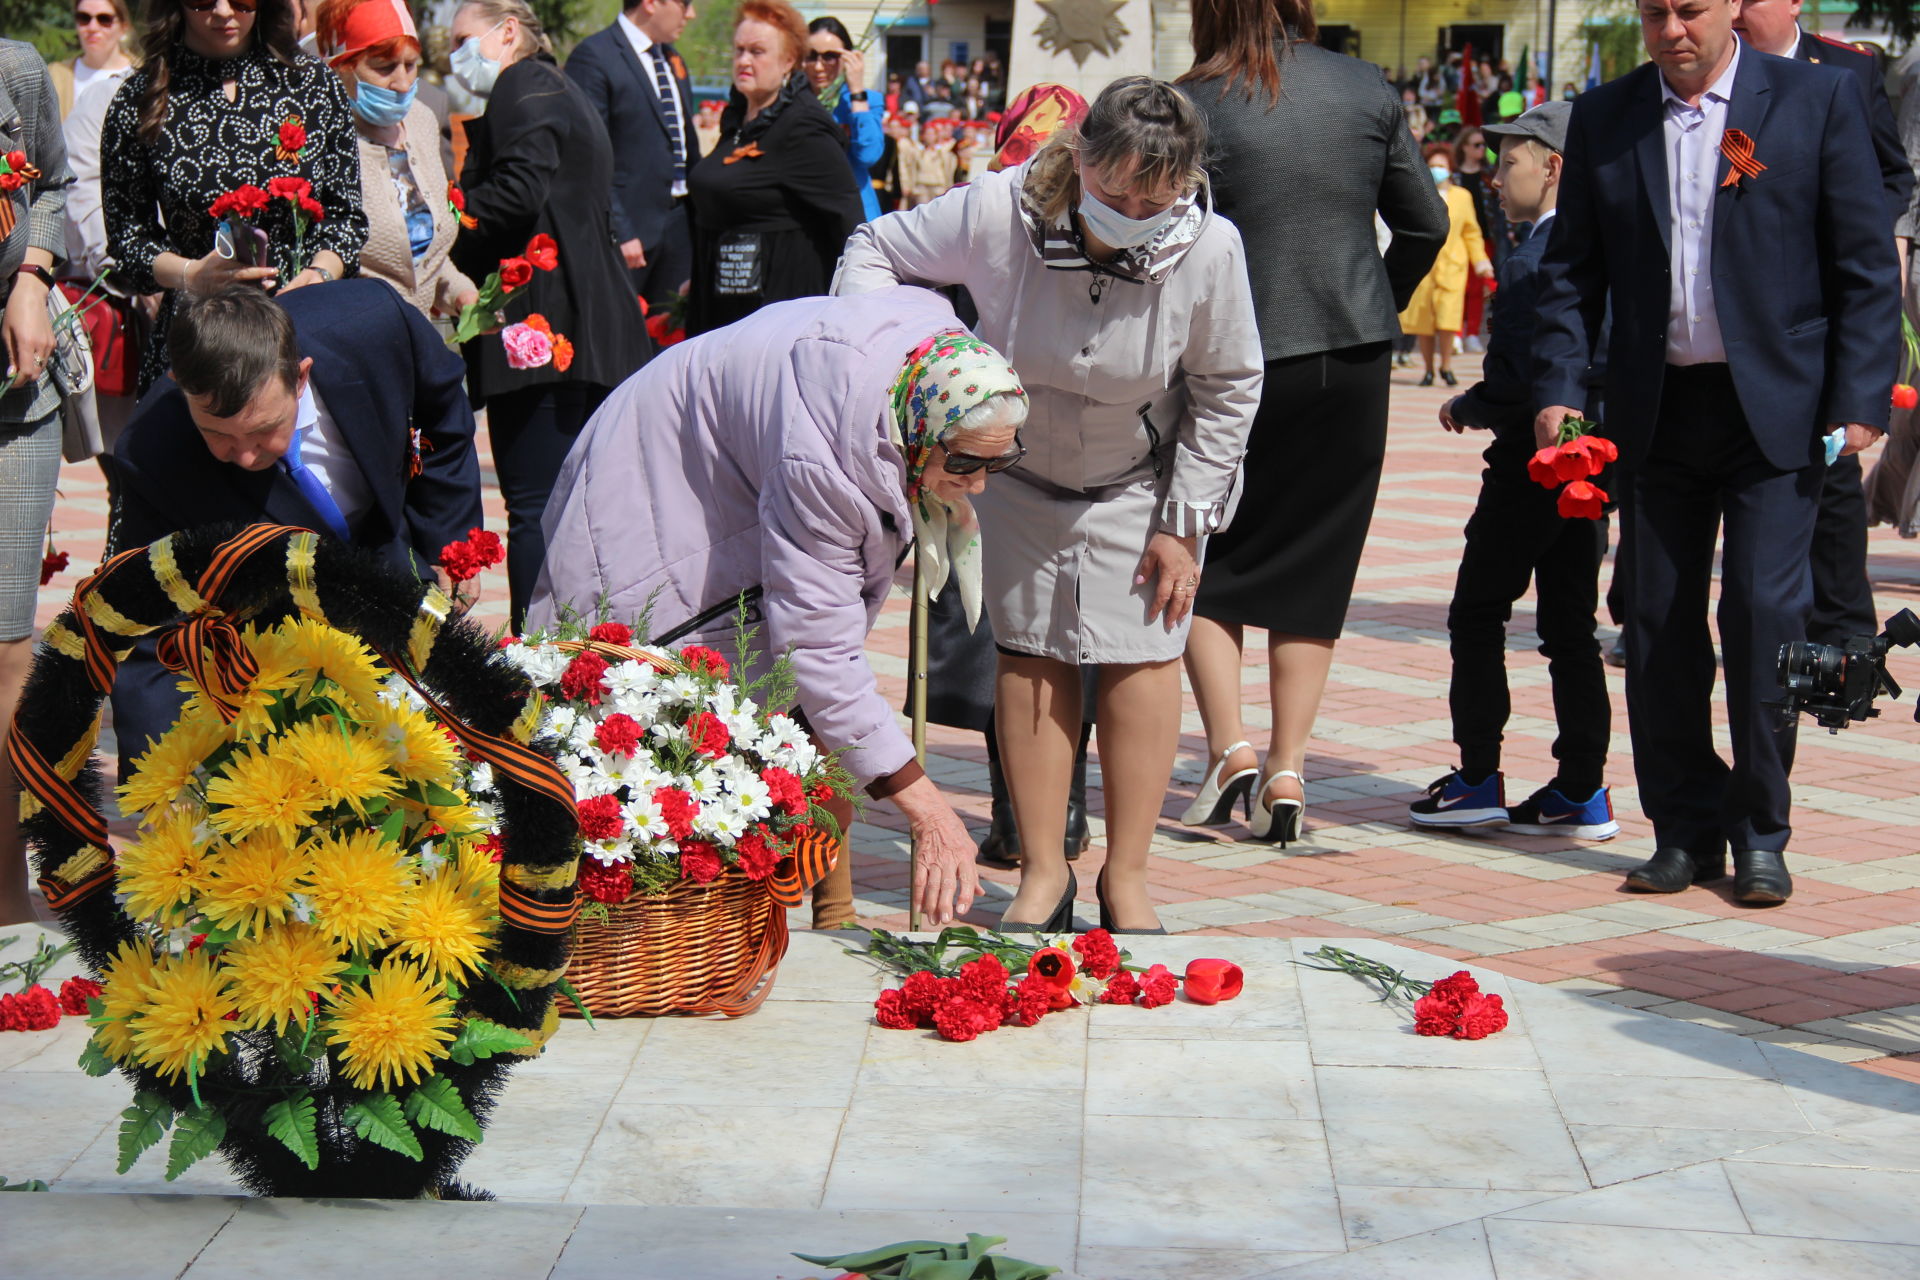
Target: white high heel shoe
(1280,821)
(1213,807)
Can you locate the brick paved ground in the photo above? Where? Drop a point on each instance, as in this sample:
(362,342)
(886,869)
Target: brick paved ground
(1836,971)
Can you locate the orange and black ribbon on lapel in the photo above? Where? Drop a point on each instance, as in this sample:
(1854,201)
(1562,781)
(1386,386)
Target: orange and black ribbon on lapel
(1737,147)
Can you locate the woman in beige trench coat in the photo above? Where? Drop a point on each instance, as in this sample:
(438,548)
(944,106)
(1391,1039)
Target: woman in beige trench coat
(1101,272)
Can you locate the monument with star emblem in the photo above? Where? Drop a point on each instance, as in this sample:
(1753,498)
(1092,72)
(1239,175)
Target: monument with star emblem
(1083,44)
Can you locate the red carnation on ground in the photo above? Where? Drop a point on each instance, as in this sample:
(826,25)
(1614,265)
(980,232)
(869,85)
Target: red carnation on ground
(618,735)
(678,809)
(985,980)
(709,734)
(964,1018)
(891,1011)
(1027,1002)
(758,857)
(1480,1017)
(611,633)
(1456,986)
(707,661)
(603,883)
(1099,957)
(542,252)
(1158,986)
(1582,500)
(1435,1015)
(74,994)
(700,862)
(584,678)
(600,818)
(514,272)
(922,991)
(51,563)
(1122,987)
(34,1009)
(785,789)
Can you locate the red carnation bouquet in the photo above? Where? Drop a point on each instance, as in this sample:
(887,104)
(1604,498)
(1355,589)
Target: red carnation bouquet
(991,980)
(680,771)
(34,1007)
(486,312)
(245,207)
(1451,1006)
(1579,456)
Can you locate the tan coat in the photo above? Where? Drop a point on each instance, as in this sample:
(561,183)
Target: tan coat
(434,283)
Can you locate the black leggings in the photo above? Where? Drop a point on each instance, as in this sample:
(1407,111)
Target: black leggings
(531,431)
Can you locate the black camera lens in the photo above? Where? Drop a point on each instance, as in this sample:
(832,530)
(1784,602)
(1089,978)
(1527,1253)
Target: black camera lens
(1813,670)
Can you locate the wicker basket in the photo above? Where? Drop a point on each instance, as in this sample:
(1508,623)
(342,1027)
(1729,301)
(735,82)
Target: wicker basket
(697,948)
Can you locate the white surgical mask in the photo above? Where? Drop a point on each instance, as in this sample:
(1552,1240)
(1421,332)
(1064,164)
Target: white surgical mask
(1111,227)
(473,69)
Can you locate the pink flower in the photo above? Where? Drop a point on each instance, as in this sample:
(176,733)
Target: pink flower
(527,347)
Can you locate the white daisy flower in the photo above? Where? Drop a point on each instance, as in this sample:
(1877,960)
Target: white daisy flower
(611,853)
(725,822)
(543,663)
(644,821)
(683,689)
(559,721)
(630,678)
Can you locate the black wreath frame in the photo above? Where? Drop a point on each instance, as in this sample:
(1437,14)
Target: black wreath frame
(367,597)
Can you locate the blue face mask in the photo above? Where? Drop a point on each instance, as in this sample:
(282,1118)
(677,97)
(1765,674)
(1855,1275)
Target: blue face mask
(377,104)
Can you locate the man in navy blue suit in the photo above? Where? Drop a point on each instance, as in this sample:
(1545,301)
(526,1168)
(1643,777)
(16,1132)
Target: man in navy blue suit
(636,81)
(1714,198)
(337,408)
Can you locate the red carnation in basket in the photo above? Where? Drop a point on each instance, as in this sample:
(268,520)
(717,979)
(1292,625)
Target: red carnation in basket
(700,862)
(821,792)
(584,678)
(784,787)
(611,633)
(678,809)
(600,818)
(75,992)
(709,734)
(618,735)
(603,883)
(758,857)
(707,661)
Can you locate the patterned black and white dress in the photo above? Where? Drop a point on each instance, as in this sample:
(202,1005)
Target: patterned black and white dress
(156,196)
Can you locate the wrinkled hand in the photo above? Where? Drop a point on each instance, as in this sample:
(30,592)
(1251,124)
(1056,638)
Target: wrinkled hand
(27,330)
(1546,424)
(1172,560)
(633,255)
(1447,418)
(1860,436)
(945,882)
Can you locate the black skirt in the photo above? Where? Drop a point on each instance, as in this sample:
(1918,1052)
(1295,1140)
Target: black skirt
(1288,559)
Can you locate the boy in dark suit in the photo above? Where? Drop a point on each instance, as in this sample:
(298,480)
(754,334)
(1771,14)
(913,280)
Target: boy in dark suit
(337,408)
(1517,534)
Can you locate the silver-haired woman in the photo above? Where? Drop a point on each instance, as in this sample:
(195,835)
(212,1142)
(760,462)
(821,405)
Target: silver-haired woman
(1101,272)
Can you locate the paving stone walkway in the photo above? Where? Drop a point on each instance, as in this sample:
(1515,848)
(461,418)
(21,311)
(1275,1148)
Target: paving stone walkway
(1836,971)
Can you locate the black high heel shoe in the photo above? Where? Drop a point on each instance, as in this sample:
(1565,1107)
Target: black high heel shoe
(1106,912)
(1446,376)
(1061,921)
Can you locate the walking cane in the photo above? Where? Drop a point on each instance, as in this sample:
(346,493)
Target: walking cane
(917,708)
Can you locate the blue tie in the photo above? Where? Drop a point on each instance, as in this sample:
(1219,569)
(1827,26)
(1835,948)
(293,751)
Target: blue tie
(670,105)
(313,491)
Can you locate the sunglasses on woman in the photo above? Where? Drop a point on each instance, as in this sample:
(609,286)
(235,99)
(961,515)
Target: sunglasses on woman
(207,6)
(88,19)
(829,57)
(965,464)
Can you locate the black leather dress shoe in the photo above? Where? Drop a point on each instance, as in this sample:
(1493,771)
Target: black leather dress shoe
(1760,877)
(1672,869)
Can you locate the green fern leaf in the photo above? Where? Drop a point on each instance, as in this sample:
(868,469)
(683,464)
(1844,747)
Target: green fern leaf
(379,1119)
(292,1121)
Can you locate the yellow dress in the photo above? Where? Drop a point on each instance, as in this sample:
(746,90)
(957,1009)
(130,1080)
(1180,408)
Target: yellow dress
(1439,304)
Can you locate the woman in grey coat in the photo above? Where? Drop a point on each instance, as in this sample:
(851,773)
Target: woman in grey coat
(33,236)
(1308,143)
(1101,271)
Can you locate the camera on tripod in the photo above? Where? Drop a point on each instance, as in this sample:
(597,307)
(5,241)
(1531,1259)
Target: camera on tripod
(1836,684)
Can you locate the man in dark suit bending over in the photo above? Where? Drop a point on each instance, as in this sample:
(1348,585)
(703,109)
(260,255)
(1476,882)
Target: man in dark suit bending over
(337,408)
(1714,196)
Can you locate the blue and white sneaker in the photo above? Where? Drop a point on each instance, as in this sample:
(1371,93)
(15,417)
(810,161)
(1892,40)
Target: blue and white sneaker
(1548,813)
(1453,802)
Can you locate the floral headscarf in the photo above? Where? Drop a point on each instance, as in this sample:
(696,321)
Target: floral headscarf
(1030,120)
(947,377)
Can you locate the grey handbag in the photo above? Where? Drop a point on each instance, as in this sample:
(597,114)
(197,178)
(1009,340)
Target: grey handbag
(72,371)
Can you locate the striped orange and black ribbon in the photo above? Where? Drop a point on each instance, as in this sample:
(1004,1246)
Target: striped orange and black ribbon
(1737,147)
(61,797)
(210,651)
(523,911)
(812,856)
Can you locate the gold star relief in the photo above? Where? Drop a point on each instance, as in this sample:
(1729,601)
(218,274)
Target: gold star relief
(1081,27)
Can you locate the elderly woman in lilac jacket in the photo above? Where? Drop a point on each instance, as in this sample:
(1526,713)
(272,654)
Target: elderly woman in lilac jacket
(794,455)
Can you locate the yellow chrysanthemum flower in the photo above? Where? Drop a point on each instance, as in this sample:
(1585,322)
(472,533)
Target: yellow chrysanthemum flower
(359,886)
(417,748)
(258,791)
(390,1030)
(347,767)
(184,1014)
(273,976)
(278,674)
(168,767)
(254,882)
(445,928)
(478,874)
(123,993)
(165,868)
(322,651)
(458,819)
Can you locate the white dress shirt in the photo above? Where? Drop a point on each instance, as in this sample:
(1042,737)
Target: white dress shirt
(324,452)
(1693,167)
(643,49)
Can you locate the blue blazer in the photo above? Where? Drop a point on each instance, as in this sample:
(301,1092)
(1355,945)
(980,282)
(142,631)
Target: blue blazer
(866,143)
(1895,170)
(383,373)
(610,73)
(1805,279)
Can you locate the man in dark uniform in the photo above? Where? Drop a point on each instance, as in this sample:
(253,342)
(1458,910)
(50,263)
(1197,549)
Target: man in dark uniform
(1842,595)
